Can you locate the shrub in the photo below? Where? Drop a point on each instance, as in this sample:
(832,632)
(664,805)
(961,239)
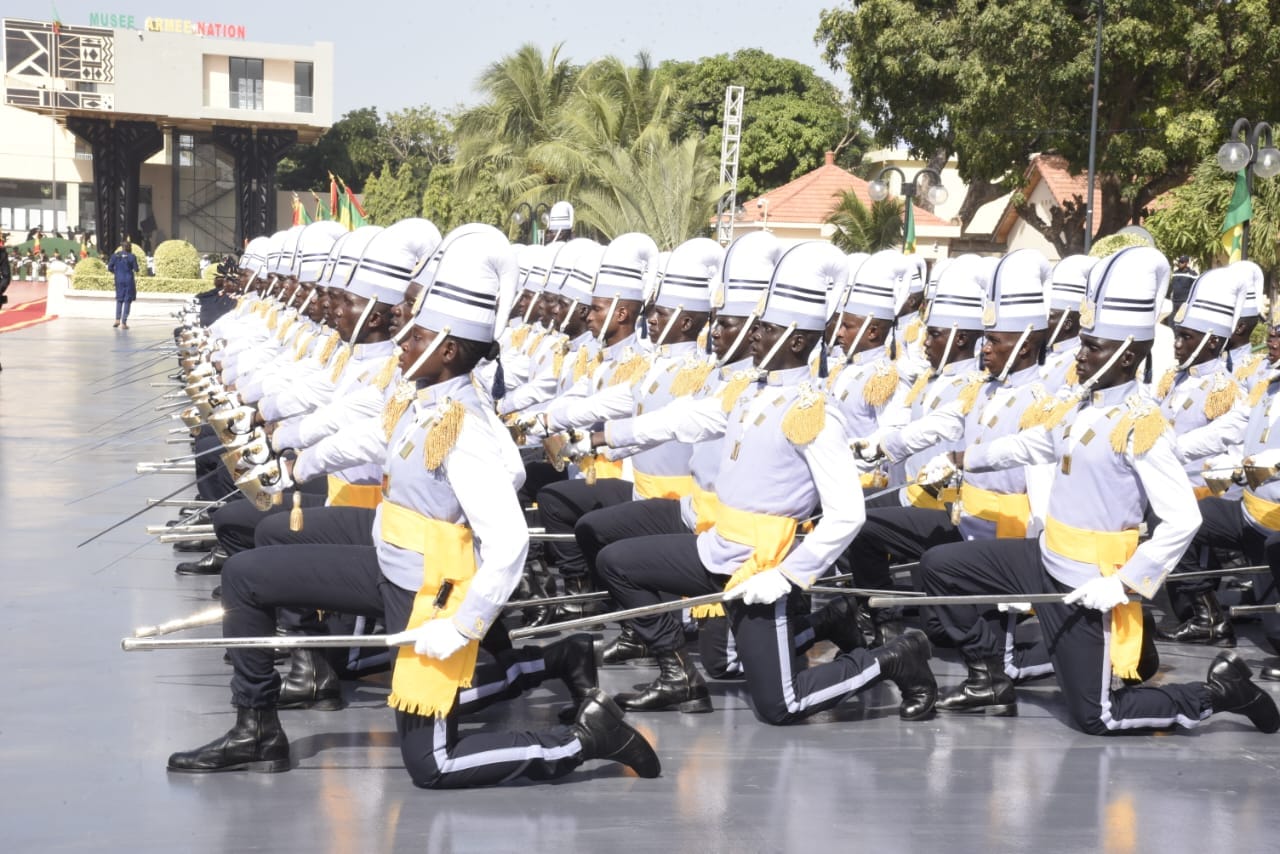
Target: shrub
(177,259)
(1113,243)
(210,273)
(149,285)
(88,268)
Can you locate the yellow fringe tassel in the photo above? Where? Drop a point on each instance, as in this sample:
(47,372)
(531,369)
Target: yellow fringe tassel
(691,378)
(273,318)
(383,379)
(585,363)
(882,384)
(300,347)
(968,395)
(806,417)
(1221,397)
(1073,374)
(295,515)
(733,390)
(518,337)
(396,406)
(1259,392)
(1165,384)
(630,371)
(1143,421)
(912,333)
(284,330)
(1249,368)
(834,372)
(534,342)
(702,339)
(443,435)
(918,387)
(330,344)
(340,363)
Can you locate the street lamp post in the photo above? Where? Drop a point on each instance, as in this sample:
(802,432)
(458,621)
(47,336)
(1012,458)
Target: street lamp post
(763,204)
(534,216)
(1263,162)
(936,194)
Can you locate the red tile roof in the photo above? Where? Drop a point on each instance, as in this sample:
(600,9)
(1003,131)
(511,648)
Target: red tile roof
(814,195)
(1061,184)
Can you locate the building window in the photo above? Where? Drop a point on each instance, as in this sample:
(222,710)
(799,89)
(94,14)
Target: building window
(303,83)
(246,84)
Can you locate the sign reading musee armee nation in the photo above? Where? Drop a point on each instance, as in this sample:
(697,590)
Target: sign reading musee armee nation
(167,25)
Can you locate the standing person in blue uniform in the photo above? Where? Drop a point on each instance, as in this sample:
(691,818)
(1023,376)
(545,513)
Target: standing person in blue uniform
(124,266)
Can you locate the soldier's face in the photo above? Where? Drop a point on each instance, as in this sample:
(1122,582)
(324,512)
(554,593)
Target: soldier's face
(1273,345)
(1092,354)
(1185,342)
(763,337)
(997,350)
(935,345)
(417,342)
(349,308)
(724,334)
(596,316)
(656,318)
(847,336)
(521,305)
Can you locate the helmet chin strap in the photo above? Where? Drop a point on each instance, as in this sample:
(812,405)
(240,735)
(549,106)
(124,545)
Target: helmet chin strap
(608,318)
(777,345)
(946,351)
(270,286)
(1108,365)
(1022,339)
(857,339)
(364,315)
(671,321)
(1195,354)
(426,354)
(306,302)
(737,342)
(1062,321)
(568,316)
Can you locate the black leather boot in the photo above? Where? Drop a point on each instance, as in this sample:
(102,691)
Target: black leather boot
(311,683)
(1209,624)
(1270,670)
(210,564)
(192,546)
(986,689)
(837,621)
(572,660)
(679,685)
(536,583)
(904,661)
(626,647)
(1231,689)
(255,743)
(603,734)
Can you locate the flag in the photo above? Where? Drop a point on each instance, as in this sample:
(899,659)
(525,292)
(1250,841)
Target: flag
(57,21)
(354,210)
(334,207)
(1239,211)
(344,213)
(300,216)
(322,210)
(909,230)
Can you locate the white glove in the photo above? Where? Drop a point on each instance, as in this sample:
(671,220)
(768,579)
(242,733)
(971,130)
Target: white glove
(437,639)
(867,450)
(763,588)
(937,471)
(1100,594)
(256,451)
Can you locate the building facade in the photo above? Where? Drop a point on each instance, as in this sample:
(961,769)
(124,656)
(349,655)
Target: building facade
(168,131)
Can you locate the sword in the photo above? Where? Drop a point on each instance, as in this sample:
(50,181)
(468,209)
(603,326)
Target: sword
(981,599)
(133,516)
(207,617)
(618,616)
(1253,609)
(859,591)
(1214,573)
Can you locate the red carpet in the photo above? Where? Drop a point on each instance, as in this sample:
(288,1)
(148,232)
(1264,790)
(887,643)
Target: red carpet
(22,315)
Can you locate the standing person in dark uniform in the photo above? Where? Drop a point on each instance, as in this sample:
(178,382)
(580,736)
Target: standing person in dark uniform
(1180,283)
(124,265)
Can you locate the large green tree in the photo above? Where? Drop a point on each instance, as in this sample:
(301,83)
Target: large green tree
(353,149)
(996,82)
(790,115)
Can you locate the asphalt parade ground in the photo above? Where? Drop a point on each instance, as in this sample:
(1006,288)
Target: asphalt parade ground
(85,728)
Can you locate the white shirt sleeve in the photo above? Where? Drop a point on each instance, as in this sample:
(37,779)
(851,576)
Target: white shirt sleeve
(1174,502)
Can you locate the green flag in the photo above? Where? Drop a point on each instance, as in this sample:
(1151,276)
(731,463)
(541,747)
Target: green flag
(1239,211)
(909,231)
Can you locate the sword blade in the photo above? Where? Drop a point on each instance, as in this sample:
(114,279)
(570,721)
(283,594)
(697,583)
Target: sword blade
(616,616)
(982,599)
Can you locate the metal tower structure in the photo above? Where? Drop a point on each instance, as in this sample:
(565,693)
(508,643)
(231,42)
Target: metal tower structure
(727,208)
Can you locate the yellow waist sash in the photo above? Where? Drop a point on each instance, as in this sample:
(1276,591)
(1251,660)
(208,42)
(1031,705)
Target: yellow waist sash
(873,480)
(706,507)
(1202,492)
(1265,513)
(608,468)
(343,494)
(421,685)
(770,538)
(1009,511)
(662,486)
(918,497)
(1108,551)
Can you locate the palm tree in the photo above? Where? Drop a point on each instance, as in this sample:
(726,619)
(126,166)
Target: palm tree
(861,230)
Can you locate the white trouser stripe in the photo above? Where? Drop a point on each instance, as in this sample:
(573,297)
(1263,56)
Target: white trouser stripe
(527,753)
(785,653)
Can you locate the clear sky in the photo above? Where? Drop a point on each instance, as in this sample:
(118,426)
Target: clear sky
(398,54)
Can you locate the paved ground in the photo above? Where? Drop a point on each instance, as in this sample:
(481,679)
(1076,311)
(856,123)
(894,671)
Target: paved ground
(85,728)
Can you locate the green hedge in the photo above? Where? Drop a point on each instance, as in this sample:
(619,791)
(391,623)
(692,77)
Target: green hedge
(146,285)
(90,267)
(210,273)
(177,259)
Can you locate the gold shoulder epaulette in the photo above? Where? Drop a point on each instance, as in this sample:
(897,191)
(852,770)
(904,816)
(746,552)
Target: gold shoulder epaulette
(733,390)
(1223,394)
(1259,391)
(396,405)
(519,336)
(1166,383)
(968,395)
(691,377)
(806,416)
(631,369)
(383,379)
(882,383)
(918,387)
(442,435)
(340,363)
(1073,374)
(1249,368)
(1143,421)
(1041,406)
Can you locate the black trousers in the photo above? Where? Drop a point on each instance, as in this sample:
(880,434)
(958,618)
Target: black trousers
(215,481)
(1078,639)
(1223,526)
(894,534)
(783,689)
(234,523)
(348,579)
(561,505)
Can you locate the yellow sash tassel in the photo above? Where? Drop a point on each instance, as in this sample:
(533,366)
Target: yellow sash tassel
(421,685)
(1265,513)
(344,494)
(330,344)
(1009,511)
(1165,384)
(920,497)
(770,537)
(660,486)
(1109,551)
